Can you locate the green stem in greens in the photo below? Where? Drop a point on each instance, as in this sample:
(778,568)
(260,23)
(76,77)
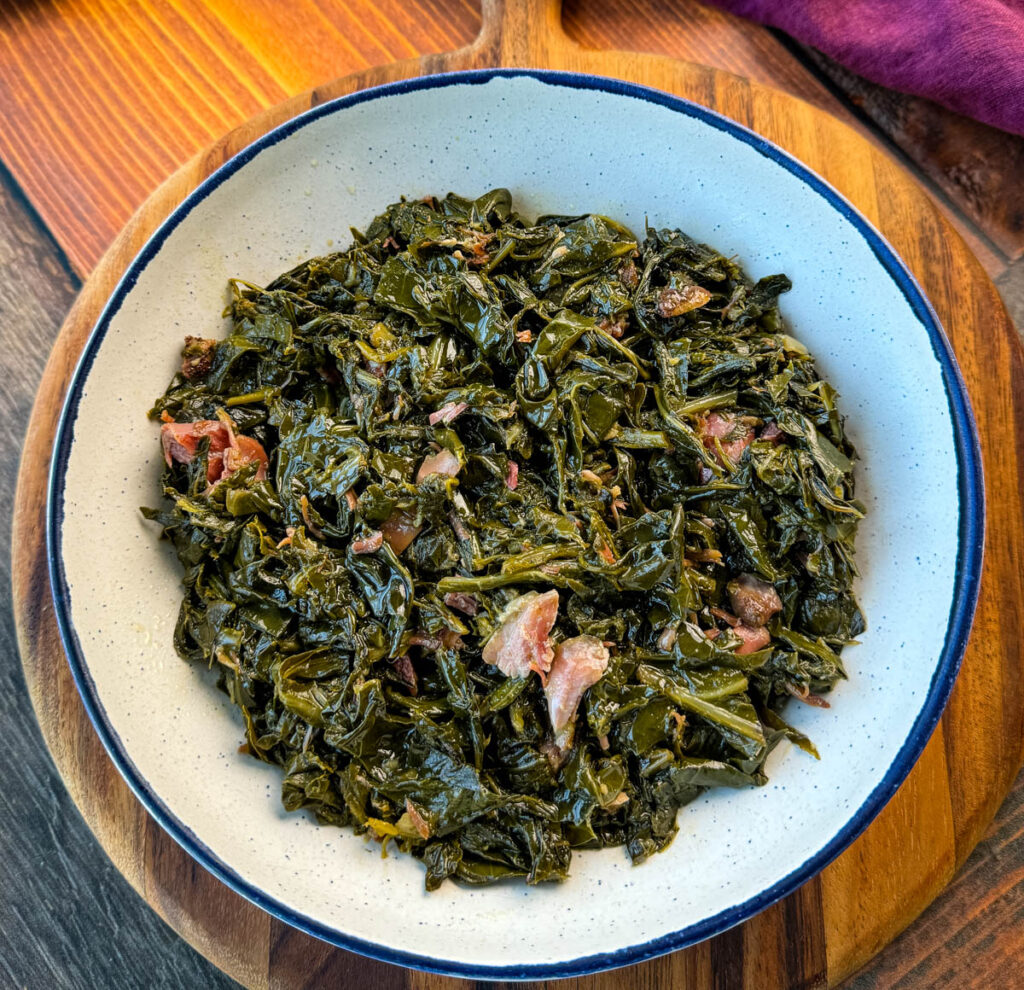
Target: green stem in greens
(249,398)
(488,582)
(685,698)
(708,402)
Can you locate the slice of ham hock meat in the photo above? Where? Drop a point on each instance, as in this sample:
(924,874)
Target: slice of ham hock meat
(229,451)
(520,643)
(579,663)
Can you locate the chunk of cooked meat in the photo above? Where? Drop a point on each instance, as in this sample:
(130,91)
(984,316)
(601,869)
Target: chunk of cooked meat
(447,412)
(521,641)
(629,277)
(370,543)
(418,821)
(462,602)
(181,440)
(228,453)
(197,357)
(405,673)
(753,639)
(675,302)
(578,664)
(242,451)
(754,601)
(734,434)
(399,530)
(442,462)
(617,326)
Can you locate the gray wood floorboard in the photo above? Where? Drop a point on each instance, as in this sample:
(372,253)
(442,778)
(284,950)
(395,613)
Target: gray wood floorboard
(68,919)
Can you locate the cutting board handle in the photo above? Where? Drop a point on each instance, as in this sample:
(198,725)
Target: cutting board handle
(521,32)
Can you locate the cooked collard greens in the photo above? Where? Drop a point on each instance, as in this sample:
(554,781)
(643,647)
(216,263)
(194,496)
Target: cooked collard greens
(510,538)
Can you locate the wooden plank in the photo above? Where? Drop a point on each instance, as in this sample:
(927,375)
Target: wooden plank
(103,100)
(976,167)
(62,897)
(972,936)
(862,905)
(698,33)
(837,933)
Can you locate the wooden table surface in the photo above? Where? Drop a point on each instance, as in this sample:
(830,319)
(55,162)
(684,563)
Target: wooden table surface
(99,101)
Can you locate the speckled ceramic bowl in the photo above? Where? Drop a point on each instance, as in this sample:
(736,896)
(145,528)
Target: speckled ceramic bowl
(564,144)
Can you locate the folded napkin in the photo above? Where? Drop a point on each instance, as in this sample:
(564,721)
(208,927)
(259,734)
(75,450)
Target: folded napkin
(965,54)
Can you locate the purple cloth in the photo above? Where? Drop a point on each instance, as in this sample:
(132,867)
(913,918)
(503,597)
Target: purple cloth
(965,54)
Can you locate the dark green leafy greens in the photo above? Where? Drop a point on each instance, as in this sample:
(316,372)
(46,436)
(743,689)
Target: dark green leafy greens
(397,442)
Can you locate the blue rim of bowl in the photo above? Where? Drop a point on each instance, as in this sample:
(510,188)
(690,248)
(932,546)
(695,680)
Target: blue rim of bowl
(965,592)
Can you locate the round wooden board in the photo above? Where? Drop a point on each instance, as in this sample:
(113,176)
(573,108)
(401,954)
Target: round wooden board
(838,920)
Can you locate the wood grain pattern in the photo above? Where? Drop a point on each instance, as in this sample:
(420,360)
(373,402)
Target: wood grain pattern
(892,872)
(62,897)
(969,938)
(105,98)
(972,164)
(700,33)
(87,150)
(697,33)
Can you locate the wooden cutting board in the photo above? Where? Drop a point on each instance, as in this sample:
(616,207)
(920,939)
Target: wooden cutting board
(836,921)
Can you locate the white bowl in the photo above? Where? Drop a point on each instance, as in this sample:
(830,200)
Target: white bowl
(562,143)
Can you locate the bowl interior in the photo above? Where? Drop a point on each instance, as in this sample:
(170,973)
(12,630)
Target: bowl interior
(561,145)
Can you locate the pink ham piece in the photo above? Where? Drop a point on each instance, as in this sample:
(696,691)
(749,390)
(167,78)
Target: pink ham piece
(451,640)
(753,639)
(512,477)
(734,433)
(520,643)
(447,638)
(418,822)
(424,639)
(197,357)
(370,543)
(229,452)
(447,412)
(557,750)
(244,450)
(443,462)
(754,601)
(578,664)
(771,433)
(803,694)
(181,440)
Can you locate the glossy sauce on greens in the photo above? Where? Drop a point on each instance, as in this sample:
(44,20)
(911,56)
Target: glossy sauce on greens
(510,538)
